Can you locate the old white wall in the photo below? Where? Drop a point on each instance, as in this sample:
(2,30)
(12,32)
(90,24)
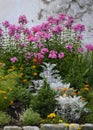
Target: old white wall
(38,10)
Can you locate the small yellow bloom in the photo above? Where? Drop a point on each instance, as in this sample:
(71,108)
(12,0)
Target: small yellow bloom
(21,68)
(83,98)
(2,91)
(11,103)
(78,92)
(73,93)
(35,73)
(6,76)
(12,67)
(5,97)
(60,121)
(24,81)
(51,115)
(87,89)
(87,86)
(20,75)
(33,67)
(34,60)
(10,88)
(67,125)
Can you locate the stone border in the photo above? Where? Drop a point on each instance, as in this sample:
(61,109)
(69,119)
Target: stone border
(61,126)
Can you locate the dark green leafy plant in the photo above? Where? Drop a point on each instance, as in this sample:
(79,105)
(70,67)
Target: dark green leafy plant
(4,118)
(44,103)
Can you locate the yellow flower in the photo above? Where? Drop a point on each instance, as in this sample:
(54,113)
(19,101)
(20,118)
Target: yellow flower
(87,89)
(60,121)
(24,81)
(35,73)
(33,67)
(5,97)
(11,102)
(12,67)
(87,86)
(51,115)
(2,91)
(73,93)
(21,74)
(67,125)
(83,98)
(6,76)
(10,88)
(21,68)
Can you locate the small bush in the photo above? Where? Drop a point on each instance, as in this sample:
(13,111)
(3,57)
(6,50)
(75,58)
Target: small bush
(4,118)
(29,117)
(44,103)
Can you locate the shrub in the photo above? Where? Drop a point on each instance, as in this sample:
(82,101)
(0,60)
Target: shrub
(29,117)
(4,118)
(44,102)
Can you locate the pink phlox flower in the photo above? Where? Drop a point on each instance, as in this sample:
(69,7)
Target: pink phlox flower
(69,22)
(47,36)
(58,29)
(62,17)
(27,31)
(52,54)
(17,37)
(38,55)
(36,29)
(60,55)
(40,34)
(23,44)
(79,37)
(22,20)
(89,47)
(69,47)
(45,26)
(79,28)
(18,29)
(80,49)
(5,24)
(32,38)
(44,50)
(11,30)
(13,59)
(28,55)
(40,45)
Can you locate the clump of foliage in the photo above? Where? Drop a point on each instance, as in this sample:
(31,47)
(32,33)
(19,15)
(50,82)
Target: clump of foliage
(29,117)
(44,102)
(4,118)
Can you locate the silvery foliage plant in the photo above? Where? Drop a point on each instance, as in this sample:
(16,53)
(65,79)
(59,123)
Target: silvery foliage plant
(51,75)
(70,107)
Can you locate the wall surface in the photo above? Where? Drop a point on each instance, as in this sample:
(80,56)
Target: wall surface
(38,11)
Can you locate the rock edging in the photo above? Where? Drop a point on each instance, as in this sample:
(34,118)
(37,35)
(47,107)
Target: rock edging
(62,126)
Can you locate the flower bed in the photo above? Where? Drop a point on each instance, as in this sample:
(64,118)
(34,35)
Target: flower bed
(45,73)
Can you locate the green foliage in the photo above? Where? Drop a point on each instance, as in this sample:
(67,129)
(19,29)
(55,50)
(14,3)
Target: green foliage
(44,103)
(4,118)
(7,86)
(29,117)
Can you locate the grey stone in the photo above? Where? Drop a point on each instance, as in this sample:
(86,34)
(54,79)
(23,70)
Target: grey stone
(74,126)
(53,127)
(30,128)
(87,127)
(12,128)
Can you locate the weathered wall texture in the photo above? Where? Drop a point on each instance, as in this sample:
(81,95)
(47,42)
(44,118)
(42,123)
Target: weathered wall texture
(39,10)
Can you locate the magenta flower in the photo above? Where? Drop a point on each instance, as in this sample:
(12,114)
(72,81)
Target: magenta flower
(69,22)
(45,26)
(32,38)
(17,37)
(28,55)
(11,30)
(18,29)
(38,55)
(13,59)
(23,44)
(5,24)
(47,36)
(22,20)
(69,47)
(79,28)
(58,29)
(44,50)
(60,55)
(80,49)
(40,45)
(53,54)
(89,47)
(27,31)
(79,37)
(36,28)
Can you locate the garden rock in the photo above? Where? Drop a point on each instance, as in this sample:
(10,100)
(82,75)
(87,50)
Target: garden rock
(73,126)
(12,128)
(87,127)
(53,127)
(30,128)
